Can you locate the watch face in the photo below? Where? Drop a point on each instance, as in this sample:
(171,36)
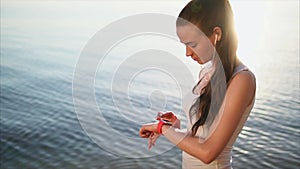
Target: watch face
(167,122)
(159,117)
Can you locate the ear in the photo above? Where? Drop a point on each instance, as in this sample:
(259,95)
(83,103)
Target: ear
(217,32)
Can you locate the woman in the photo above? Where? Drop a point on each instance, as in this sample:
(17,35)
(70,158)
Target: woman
(223,103)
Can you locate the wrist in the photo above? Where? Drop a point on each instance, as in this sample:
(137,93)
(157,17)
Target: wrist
(161,126)
(165,128)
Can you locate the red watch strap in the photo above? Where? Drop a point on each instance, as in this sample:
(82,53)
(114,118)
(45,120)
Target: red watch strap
(159,126)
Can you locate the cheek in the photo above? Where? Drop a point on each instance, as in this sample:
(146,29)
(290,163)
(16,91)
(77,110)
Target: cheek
(203,52)
(200,50)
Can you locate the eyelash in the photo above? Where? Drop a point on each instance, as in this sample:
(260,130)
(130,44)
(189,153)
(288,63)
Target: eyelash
(193,46)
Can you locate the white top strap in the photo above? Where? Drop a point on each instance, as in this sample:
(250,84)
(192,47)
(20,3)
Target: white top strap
(239,69)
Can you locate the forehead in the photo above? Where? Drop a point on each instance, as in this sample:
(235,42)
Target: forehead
(188,33)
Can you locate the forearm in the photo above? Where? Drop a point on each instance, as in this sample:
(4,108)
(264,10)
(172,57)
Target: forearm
(187,143)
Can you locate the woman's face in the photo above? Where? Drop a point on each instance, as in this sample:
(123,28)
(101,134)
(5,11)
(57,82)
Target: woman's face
(198,46)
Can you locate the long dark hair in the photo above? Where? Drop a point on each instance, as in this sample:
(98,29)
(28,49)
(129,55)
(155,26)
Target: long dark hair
(206,15)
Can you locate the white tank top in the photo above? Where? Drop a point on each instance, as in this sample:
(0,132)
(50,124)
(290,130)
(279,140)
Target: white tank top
(224,160)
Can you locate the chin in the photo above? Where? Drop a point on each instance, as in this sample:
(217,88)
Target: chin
(199,62)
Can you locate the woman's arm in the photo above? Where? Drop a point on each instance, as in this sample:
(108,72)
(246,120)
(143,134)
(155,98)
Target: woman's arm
(239,95)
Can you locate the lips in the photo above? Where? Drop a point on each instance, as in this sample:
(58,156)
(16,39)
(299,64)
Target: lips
(195,59)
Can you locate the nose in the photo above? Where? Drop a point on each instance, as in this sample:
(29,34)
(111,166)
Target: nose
(189,51)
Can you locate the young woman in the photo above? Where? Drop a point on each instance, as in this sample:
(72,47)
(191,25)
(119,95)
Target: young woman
(225,91)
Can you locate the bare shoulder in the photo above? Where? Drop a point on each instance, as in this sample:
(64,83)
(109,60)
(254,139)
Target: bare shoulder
(243,77)
(243,85)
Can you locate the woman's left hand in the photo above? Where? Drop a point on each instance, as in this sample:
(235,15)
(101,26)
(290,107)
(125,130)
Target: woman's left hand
(148,129)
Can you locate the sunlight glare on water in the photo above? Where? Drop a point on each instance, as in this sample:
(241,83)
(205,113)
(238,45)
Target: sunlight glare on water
(42,40)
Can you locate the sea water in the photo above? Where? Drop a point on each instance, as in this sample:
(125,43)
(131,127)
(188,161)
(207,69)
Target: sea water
(40,45)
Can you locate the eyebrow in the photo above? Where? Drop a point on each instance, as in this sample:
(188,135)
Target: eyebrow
(189,43)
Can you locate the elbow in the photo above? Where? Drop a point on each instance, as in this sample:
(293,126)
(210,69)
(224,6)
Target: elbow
(206,157)
(208,160)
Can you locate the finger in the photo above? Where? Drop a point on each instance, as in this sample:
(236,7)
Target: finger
(168,115)
(155,137)
(144,133)
(150,142)
(148,134)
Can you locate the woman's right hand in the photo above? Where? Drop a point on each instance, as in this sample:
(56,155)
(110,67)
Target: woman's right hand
(171,117)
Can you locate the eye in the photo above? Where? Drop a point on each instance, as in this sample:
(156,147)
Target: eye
(193,45)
